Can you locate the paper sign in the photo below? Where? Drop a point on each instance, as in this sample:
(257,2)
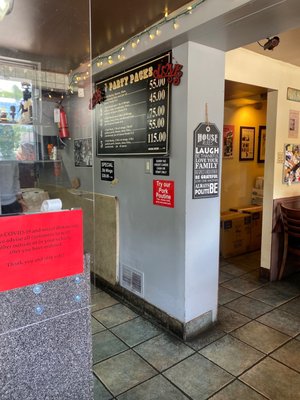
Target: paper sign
(163,193)
(40,247)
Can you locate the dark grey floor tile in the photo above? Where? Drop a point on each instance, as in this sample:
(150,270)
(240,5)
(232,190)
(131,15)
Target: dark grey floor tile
(124,371)
(222,262)
(223,277)
(292,288)
(136,331)
(271,295)
(96,326)
(282,321)
(232,354)
(292,307)
(205,338)
(102,300)
(198,377)
(254,276)
(234,270)
(157,388)
(229,320)
(249,307)
(260,336)
(114,315)
(241,285)
(289,354)
(100,393)
(237,391)
(226,295)
(163,351)
(273,380)
(105,345)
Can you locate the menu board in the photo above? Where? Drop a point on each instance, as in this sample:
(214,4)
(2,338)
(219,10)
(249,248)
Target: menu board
(134,117)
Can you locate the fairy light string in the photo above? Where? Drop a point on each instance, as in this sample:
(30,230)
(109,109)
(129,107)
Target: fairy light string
(117,54)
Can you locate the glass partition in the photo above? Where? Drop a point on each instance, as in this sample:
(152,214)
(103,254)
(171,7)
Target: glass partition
(46,140)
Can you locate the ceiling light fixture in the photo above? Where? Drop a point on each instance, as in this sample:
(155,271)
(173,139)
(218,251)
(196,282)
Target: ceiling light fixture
(270,43)
(6,7)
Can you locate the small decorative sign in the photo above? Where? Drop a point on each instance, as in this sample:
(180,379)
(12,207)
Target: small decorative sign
(161,166)
(163,193)
(171,72)
(107,170)
(293,94)
(206,161)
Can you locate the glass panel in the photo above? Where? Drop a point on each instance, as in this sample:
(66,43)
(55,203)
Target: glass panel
(46,141)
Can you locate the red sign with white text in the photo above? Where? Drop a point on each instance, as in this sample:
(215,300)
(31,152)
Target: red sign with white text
(163,193)
(37,248)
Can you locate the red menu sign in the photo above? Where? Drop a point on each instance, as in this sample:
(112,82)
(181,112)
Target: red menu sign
(163,193)
(37,248)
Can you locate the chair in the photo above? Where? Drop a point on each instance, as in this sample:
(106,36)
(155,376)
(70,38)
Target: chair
(291,228)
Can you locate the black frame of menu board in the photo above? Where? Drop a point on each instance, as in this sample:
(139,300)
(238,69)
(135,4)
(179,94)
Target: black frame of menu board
(134,117)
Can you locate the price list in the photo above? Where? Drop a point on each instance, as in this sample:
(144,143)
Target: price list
(134,118)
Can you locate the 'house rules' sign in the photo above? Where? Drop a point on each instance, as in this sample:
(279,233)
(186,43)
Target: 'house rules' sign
(206,161)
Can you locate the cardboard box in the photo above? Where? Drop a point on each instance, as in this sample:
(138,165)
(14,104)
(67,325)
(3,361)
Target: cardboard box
(256,225)
(235,234)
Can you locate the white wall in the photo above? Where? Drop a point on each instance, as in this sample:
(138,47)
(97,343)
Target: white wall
(248,67)
(176,249)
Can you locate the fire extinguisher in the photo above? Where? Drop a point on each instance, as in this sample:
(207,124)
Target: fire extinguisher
(64,132)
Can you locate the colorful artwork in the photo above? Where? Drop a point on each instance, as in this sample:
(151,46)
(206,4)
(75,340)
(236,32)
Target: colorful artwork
(292,164)
(228,137)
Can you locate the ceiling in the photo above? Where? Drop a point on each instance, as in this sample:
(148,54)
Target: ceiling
(56,32)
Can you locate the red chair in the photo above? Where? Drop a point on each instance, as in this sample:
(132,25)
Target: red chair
(291,225)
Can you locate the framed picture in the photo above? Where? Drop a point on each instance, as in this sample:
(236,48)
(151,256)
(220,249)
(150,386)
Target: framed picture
(228,137)
(247,142)
(83,155)
(291,169)
(261,144)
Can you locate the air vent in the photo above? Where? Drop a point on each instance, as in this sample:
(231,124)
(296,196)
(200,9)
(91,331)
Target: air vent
(132,280)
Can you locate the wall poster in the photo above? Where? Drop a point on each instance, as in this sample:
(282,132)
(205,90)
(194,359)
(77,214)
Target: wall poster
(83,155)
(228,137)
(291,169)
(247,143)
(293,124)
(134,117)
(206,161)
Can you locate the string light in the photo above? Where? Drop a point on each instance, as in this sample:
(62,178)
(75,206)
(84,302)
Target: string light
(175,24)
(151,35)
(152,32)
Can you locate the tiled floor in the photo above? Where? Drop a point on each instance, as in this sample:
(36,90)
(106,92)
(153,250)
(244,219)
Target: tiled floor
(252,353)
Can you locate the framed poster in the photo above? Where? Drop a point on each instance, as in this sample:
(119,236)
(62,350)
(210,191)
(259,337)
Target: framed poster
(247,143)
(134,117)
(293,124)
(291,169)
(83,155)
(228,137)
(261,144)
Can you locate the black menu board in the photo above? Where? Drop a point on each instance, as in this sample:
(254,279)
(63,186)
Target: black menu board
(134,117)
